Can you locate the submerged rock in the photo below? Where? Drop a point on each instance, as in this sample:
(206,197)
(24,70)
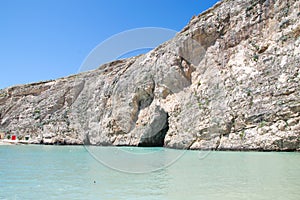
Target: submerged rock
(228,81)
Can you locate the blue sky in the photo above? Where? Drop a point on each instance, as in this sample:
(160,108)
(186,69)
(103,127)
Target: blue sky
(48,39)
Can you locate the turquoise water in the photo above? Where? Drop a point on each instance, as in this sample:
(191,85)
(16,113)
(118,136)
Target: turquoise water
(64,172)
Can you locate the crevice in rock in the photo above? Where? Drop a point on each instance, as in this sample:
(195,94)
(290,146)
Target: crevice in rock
(156,140)
(186,69)
(142,99)
(86,140)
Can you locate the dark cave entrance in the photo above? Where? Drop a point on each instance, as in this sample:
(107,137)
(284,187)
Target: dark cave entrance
(155,140)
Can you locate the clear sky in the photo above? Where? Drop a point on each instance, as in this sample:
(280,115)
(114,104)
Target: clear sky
(48,39)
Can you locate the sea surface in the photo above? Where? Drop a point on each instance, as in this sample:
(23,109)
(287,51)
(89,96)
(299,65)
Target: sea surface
(77,172)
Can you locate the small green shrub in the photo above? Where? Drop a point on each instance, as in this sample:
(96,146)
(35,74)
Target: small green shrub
(242,135)
(3,95)
(262,124)
(207,102)
(248,91)
(255,57)
(200,105)
(37,114)
(251,103)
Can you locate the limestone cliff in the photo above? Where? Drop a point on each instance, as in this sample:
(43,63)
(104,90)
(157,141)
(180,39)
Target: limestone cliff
(228,81)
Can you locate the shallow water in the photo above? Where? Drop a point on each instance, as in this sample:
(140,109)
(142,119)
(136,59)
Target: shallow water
(66,172)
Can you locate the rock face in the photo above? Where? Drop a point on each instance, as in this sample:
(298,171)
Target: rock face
(228,81)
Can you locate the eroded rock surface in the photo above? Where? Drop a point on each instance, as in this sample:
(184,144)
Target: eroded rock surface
(228,81)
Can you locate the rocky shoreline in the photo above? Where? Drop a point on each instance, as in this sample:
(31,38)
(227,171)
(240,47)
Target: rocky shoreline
(6,143)
(230,80)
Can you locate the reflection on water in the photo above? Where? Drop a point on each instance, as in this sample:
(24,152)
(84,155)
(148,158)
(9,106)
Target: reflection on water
(55,172)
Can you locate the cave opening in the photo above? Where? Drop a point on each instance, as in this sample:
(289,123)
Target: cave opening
(155,140)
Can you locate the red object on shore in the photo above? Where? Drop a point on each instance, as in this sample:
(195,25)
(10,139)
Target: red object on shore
(13,137)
